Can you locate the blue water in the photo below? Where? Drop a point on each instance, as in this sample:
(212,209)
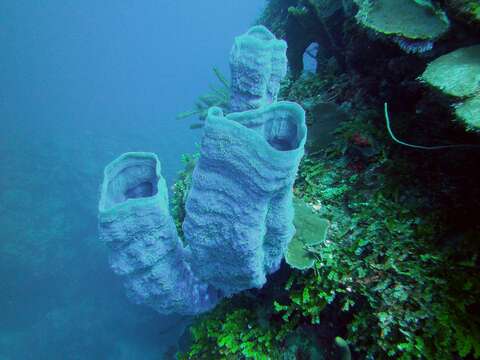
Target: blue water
(81,83)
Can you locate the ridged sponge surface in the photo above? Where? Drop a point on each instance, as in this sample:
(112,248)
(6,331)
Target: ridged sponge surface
(135,223)
(258,62)
(239,210)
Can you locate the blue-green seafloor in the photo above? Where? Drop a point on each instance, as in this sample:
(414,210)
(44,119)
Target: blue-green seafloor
(60,298)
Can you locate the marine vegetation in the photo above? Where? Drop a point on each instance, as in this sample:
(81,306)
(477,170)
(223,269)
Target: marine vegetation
(389,267)
(218,96)
(397,275)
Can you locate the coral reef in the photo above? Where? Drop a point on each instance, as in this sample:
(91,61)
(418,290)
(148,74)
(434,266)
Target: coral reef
(399,274)
(382,274)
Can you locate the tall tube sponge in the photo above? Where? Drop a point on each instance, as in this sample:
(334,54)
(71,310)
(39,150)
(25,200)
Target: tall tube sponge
(135,223)
(258,62)
(239,213)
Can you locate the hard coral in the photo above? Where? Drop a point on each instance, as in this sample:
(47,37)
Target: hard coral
(457,75)
(412,24)
(311,230)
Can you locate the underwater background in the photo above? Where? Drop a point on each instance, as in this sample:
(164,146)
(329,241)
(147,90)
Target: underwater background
(385,259)
(83,82)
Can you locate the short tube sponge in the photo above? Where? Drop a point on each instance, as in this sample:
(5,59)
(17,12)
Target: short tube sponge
(239,213)
(258,62)
(135,223)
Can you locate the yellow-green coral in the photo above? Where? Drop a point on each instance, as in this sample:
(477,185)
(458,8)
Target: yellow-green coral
(310,231)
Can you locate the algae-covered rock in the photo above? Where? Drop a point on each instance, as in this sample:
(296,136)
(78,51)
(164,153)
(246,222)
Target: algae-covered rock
(469,112)
(412,24)
(456,73)
(326,117)
(310,230)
